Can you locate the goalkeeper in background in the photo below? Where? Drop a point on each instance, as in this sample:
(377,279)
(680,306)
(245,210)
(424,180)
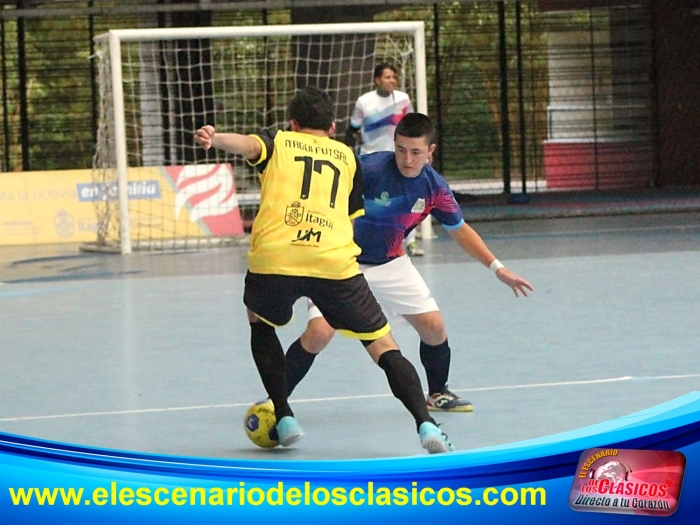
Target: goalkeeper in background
(400,190)
(302,245)
(375,117)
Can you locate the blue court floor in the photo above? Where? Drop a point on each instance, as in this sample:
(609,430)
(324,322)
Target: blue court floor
(150,352)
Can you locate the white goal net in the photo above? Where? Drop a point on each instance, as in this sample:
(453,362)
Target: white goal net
(153,187)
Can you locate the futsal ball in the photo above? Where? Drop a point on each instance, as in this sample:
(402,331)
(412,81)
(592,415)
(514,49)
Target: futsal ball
(260,424)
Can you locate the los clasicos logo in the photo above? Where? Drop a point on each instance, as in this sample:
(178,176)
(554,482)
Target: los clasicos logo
(623,481)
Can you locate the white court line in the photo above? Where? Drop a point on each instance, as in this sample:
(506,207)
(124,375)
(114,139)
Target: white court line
(350,398)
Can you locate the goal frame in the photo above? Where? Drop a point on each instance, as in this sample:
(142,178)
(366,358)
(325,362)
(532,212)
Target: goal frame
(116,37)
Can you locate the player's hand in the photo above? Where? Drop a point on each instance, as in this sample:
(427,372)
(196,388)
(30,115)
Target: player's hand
(514,281)
(205,136)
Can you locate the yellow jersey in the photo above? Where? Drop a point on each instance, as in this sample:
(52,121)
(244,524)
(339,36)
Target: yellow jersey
(311,189)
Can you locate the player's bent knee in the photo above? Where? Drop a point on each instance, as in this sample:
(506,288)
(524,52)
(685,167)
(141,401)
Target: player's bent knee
(430,326)
(313,343)
(434,338)
(378,347)
(317,335)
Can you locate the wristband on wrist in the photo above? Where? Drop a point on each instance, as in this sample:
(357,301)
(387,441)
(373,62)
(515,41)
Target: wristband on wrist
(496,265)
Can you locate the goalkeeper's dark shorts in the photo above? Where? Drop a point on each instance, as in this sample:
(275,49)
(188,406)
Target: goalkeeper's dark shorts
(347,304)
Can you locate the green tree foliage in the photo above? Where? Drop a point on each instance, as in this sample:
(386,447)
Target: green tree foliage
(60,100)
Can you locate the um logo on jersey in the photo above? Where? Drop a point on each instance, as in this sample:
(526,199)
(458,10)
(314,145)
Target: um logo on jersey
(294,214)
(308,236)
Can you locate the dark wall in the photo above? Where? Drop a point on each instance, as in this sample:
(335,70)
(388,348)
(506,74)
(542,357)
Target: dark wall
(677,66)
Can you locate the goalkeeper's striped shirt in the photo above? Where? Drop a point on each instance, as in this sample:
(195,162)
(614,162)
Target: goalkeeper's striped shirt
(311,188)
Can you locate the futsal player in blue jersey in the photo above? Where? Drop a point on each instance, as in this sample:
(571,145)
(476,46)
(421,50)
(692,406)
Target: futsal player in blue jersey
(400,190)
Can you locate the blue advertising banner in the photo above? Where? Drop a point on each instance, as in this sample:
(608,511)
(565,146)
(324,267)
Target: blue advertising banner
(537,481)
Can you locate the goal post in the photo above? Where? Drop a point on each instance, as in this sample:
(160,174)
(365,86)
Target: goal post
(154,188)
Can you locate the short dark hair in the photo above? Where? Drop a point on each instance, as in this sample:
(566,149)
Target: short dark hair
(312,108)
(379,69)
(416,125)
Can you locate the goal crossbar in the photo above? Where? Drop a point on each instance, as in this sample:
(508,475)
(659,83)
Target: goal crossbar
(177,33)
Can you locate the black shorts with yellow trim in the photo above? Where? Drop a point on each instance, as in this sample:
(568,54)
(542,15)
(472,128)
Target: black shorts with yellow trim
(347,304)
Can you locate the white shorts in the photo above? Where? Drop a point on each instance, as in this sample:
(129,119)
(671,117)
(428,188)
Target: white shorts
(398,286)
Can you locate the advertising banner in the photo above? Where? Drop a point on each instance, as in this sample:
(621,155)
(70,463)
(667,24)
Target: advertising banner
(164,202)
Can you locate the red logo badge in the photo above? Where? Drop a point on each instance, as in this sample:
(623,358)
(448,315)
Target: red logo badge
(643,482)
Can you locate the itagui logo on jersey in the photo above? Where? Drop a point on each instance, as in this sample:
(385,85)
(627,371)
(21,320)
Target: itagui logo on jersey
(295,215)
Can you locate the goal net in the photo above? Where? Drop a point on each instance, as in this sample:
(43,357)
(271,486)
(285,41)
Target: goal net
(154,188)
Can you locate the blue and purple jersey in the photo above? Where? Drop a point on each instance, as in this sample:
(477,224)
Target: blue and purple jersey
(395,204)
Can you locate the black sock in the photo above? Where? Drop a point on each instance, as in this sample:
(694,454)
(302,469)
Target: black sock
(299,362)
(269,358)
(405,384)
(436,361)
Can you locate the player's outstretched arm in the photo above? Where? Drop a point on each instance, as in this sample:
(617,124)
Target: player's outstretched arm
(244,145)
(472,243)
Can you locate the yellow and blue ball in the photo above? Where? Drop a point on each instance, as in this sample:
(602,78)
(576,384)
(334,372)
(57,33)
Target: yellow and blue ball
(260,424)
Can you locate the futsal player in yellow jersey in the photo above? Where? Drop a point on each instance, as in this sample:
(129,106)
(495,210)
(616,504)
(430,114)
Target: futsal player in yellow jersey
(302,227)
(302,246)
